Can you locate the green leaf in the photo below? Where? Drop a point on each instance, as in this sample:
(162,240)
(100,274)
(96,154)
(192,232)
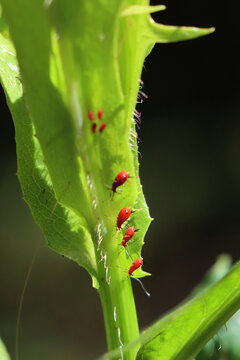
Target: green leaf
(181,334)
(225,345)
(3,351)
(61,226)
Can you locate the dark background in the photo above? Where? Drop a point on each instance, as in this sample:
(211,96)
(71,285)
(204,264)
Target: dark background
(190,172)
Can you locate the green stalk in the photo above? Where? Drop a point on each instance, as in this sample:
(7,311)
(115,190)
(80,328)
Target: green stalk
(115,289)
(119,312)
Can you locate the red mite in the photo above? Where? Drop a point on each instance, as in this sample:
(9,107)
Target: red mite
(123,216)
(100,113)
(102,127)
(90,115)
(135,265)
(119,180)
(94,126)
(128,235)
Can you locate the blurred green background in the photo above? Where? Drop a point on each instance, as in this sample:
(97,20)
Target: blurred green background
(190,147)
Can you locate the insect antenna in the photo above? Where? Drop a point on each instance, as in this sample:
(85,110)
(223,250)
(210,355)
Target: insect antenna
(128,254)
(140,282)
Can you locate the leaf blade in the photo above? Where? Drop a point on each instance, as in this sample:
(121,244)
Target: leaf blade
(196,322)
(65,232)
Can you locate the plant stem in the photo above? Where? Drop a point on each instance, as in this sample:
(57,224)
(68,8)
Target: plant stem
(119,312)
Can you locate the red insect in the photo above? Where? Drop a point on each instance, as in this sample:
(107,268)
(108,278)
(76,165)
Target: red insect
(128,235)
(135,265)
(90,115)
(119,180)
(94,126)
(123,216)
(102,127)
(100,113)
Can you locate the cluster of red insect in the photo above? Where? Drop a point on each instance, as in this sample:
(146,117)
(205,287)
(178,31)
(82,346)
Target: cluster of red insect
(123,216)
(94,125)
